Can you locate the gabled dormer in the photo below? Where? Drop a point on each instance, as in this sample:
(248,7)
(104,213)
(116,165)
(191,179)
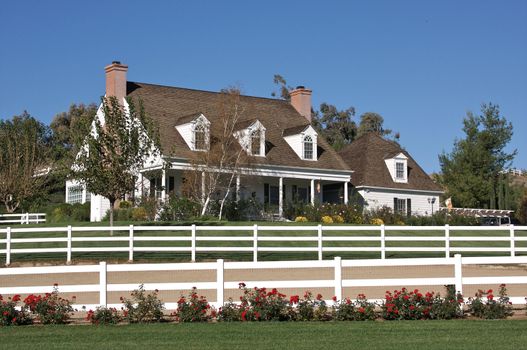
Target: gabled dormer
(398,167)
(251,135)
(195,130)
(303,140)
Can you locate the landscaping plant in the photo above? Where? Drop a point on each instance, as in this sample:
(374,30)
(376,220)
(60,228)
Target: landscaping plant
(143,307)
(50,308)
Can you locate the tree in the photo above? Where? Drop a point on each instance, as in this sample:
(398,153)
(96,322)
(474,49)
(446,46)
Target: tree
(283,87)
(213,173)
(336,126)
(473,173)
(24,163)
(115,150)
(373,122)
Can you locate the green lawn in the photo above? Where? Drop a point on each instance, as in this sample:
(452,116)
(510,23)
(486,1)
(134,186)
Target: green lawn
(206,256)
(458,334)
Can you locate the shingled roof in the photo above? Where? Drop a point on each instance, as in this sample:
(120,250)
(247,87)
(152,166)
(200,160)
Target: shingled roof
(169,106)
(366,157)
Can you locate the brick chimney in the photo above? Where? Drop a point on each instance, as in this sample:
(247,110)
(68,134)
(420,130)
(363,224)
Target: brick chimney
(116,80)
(301,100)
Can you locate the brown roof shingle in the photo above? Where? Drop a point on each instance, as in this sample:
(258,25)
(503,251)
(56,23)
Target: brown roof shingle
(169,106)
(366,157)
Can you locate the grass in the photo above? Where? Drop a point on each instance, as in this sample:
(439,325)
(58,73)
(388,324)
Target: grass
(204,256)
(430,335)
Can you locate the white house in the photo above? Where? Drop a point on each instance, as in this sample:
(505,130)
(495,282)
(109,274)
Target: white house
(288,159)
(386,175)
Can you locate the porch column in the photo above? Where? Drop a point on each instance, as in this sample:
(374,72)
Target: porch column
(83,200)
(312,191)
(280,196)
(163,184)
(237,188)
(346,192)
(203,187)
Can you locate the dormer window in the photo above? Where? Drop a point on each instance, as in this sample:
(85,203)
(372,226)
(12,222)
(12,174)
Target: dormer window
(308,147)
(256,143)
(399,170)
(200,137)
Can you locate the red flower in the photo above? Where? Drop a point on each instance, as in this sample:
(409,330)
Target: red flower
(244,314)
(334,298)
(406,297)
(319,296)
(16,298)
(294,299)
(361,310)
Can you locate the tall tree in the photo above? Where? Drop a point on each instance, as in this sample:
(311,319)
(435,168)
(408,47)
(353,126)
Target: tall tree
(473,172)
(372,122)
(24,163)
(336,126)
(115,150)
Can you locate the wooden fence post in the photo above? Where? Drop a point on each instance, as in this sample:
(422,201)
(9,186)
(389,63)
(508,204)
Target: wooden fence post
(458,273)
(219,283)
(68,254)
(319,242)
(131,243)
(513,244)
(8,247)
(193,244)
(338,278)
(255,243)
(103,287)
(383,242)
(447,241)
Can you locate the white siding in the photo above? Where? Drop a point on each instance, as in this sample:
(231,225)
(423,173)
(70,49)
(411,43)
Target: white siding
(376,198)
(186,132)
(296,142)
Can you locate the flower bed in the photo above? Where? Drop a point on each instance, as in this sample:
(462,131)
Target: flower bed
(260,304)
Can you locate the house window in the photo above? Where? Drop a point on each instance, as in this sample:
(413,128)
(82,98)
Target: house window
(308,147)
(256,143)
(399,206)
(200,138)
(399,170)
(75,194)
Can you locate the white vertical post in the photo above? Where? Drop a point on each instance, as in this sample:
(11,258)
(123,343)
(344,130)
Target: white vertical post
(238,183)
(163,184)
(312,191)
(346,200)
(447,241)
(27,218)
(131,243)
(255,243)
(338,278)
(458,273)
(280,196)
(102,284)
(8,247)
(319,229)
(68,254)
(383,242)
(193,243)
(219,283)
(513,244)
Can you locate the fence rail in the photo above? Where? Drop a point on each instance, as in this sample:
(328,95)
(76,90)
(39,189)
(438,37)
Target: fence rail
(323,238)
(220,285)
(23,218)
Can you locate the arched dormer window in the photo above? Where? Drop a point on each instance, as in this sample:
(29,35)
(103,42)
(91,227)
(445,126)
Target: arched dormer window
(200,137)
(256,143)
(308,147)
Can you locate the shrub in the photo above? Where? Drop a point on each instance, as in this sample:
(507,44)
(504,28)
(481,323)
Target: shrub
(337,219)
(139,214)
(326,219)
(50,308)
(260,305)
(66,212)
(125,204)
(230,312)
(312,308)
(376,221)
(301,219)
(193,309)
(484,304)
(179,208)
(143,307)
(104,315)
(447,308)
(13,315)
(360,310)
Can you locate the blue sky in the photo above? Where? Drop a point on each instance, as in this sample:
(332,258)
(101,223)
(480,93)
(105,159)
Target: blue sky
(420,64)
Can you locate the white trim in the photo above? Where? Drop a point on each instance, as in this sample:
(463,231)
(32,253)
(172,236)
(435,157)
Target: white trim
(365,187)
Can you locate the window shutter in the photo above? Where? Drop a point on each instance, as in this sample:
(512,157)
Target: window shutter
(395,205)
(408,207)
(266,193)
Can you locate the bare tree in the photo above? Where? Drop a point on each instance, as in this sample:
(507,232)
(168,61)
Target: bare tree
(214,171)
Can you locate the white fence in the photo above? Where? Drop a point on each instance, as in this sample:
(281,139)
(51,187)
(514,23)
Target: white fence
(220,285)
(323,237)
(23,218)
